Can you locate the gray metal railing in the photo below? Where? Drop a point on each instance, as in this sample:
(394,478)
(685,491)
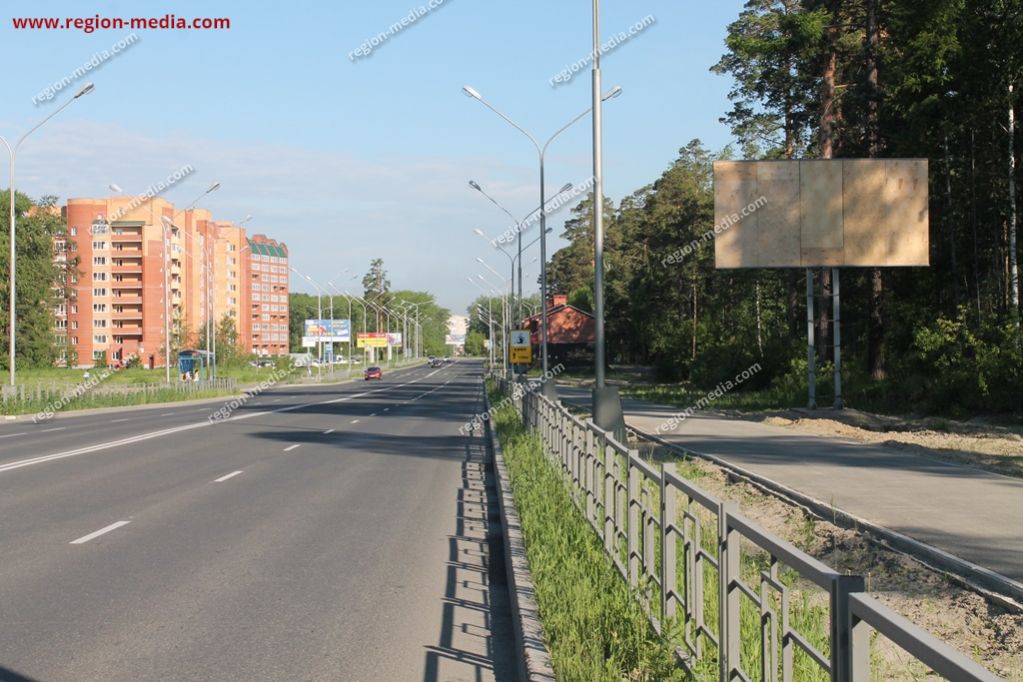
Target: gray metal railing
(697,565)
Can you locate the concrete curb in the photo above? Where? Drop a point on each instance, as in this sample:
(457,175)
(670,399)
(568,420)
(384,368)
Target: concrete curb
(535,659)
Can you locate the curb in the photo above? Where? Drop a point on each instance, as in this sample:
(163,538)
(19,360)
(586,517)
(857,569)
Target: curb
(535,659)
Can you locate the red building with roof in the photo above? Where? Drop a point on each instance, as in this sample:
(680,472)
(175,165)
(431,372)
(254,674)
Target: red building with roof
(571,332)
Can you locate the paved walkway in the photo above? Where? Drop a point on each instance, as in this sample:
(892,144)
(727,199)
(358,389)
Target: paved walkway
(964,511)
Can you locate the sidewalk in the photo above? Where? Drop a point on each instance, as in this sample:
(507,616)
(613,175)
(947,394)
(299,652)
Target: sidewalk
(973,514)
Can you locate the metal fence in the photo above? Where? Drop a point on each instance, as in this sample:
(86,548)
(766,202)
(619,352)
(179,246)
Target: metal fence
(731,596)
(40,394)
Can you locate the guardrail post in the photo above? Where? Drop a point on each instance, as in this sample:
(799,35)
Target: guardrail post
(669,546)
(729,559)
(859,644)
(634,480)
(841,626)
(610,495)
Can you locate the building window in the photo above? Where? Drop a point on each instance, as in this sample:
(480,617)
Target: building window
(99,307)
(73,232)
(74,308)
(100,323)
(99,260)
(99,277)
(99,338)
(99,293)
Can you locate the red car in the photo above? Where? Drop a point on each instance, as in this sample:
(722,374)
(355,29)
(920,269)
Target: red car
(374,373)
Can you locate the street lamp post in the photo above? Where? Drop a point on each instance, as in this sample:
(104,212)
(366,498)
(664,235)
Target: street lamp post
(505,311)
(607,405)
(541,152)
(12,152)
(347,298)
(365,315)
(519,229)
(319,315)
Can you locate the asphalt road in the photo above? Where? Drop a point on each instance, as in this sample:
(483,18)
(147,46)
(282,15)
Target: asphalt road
(321,533)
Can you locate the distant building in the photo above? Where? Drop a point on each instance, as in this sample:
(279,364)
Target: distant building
(458,326)
(116,308)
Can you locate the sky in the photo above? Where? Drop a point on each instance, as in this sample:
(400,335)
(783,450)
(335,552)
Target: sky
(347,158)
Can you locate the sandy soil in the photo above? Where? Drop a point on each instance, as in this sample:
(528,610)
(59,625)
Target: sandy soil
(990,447)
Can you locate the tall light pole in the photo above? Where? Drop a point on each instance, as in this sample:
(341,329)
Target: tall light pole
(168,224)
(505,311)
(12,152)
(542,153)
(365,314)
(347,298)
(520,227)
(319,315)
(607,405)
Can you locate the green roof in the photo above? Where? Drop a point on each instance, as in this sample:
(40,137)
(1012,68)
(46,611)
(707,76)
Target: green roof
(264,249)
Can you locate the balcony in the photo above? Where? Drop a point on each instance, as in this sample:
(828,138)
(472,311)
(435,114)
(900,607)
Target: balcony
(126,268)
(128,330)
(126,284)
(126,251)
(127,300)
(128,315)
(126,236)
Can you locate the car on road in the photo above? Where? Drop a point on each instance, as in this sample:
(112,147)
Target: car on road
(436,362)
(374,373)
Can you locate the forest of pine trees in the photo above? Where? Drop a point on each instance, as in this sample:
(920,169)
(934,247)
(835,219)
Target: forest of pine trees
(937,79)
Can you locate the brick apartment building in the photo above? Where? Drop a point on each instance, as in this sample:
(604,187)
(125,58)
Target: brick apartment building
(118,307)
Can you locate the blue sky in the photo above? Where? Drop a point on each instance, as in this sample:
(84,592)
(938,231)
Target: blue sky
(347,161)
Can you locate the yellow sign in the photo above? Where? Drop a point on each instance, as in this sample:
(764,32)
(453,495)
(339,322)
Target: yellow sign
(371,340)
(521,355)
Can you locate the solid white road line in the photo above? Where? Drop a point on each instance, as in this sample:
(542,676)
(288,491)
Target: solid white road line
(102,531)
(176,429)
(12,435)
(291,447)
(224,478)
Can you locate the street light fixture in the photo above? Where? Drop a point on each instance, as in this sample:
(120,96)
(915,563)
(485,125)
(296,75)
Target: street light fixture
(542,153)
(520,227)
(12,152)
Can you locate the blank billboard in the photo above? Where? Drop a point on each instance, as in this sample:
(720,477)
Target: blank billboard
(816,213)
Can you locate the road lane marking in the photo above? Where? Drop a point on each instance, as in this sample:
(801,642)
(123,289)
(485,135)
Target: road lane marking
(12,435)
(142,437)
(115,421)
(291,447)
(168,414)
(102,531)
(224,478)
(56,428)
(387,409)
(355,421)
(373,415)
(328,432)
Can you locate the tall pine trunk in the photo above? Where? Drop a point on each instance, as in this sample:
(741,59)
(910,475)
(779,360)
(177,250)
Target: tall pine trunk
(1013,255)
(875,329)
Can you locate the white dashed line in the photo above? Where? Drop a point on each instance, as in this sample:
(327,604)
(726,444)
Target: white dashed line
(12,435)
(56,428)
(291,447)
(118,421)
(102,531)
(224,478)
(355,421)
(328,432)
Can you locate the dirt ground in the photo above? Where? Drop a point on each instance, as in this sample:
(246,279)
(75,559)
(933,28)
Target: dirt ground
(988,446)
(983,631)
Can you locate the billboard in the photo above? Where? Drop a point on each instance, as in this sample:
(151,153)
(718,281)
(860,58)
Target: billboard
(821,213)
(329,331)
(371,340)
(394,339)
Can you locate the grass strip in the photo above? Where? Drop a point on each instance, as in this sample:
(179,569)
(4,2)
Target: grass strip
(594,627)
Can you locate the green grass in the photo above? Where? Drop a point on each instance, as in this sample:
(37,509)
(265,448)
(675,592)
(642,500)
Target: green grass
(595,629)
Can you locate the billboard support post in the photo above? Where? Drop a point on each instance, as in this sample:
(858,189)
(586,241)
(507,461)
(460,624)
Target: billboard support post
(811,345)
(837,318)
